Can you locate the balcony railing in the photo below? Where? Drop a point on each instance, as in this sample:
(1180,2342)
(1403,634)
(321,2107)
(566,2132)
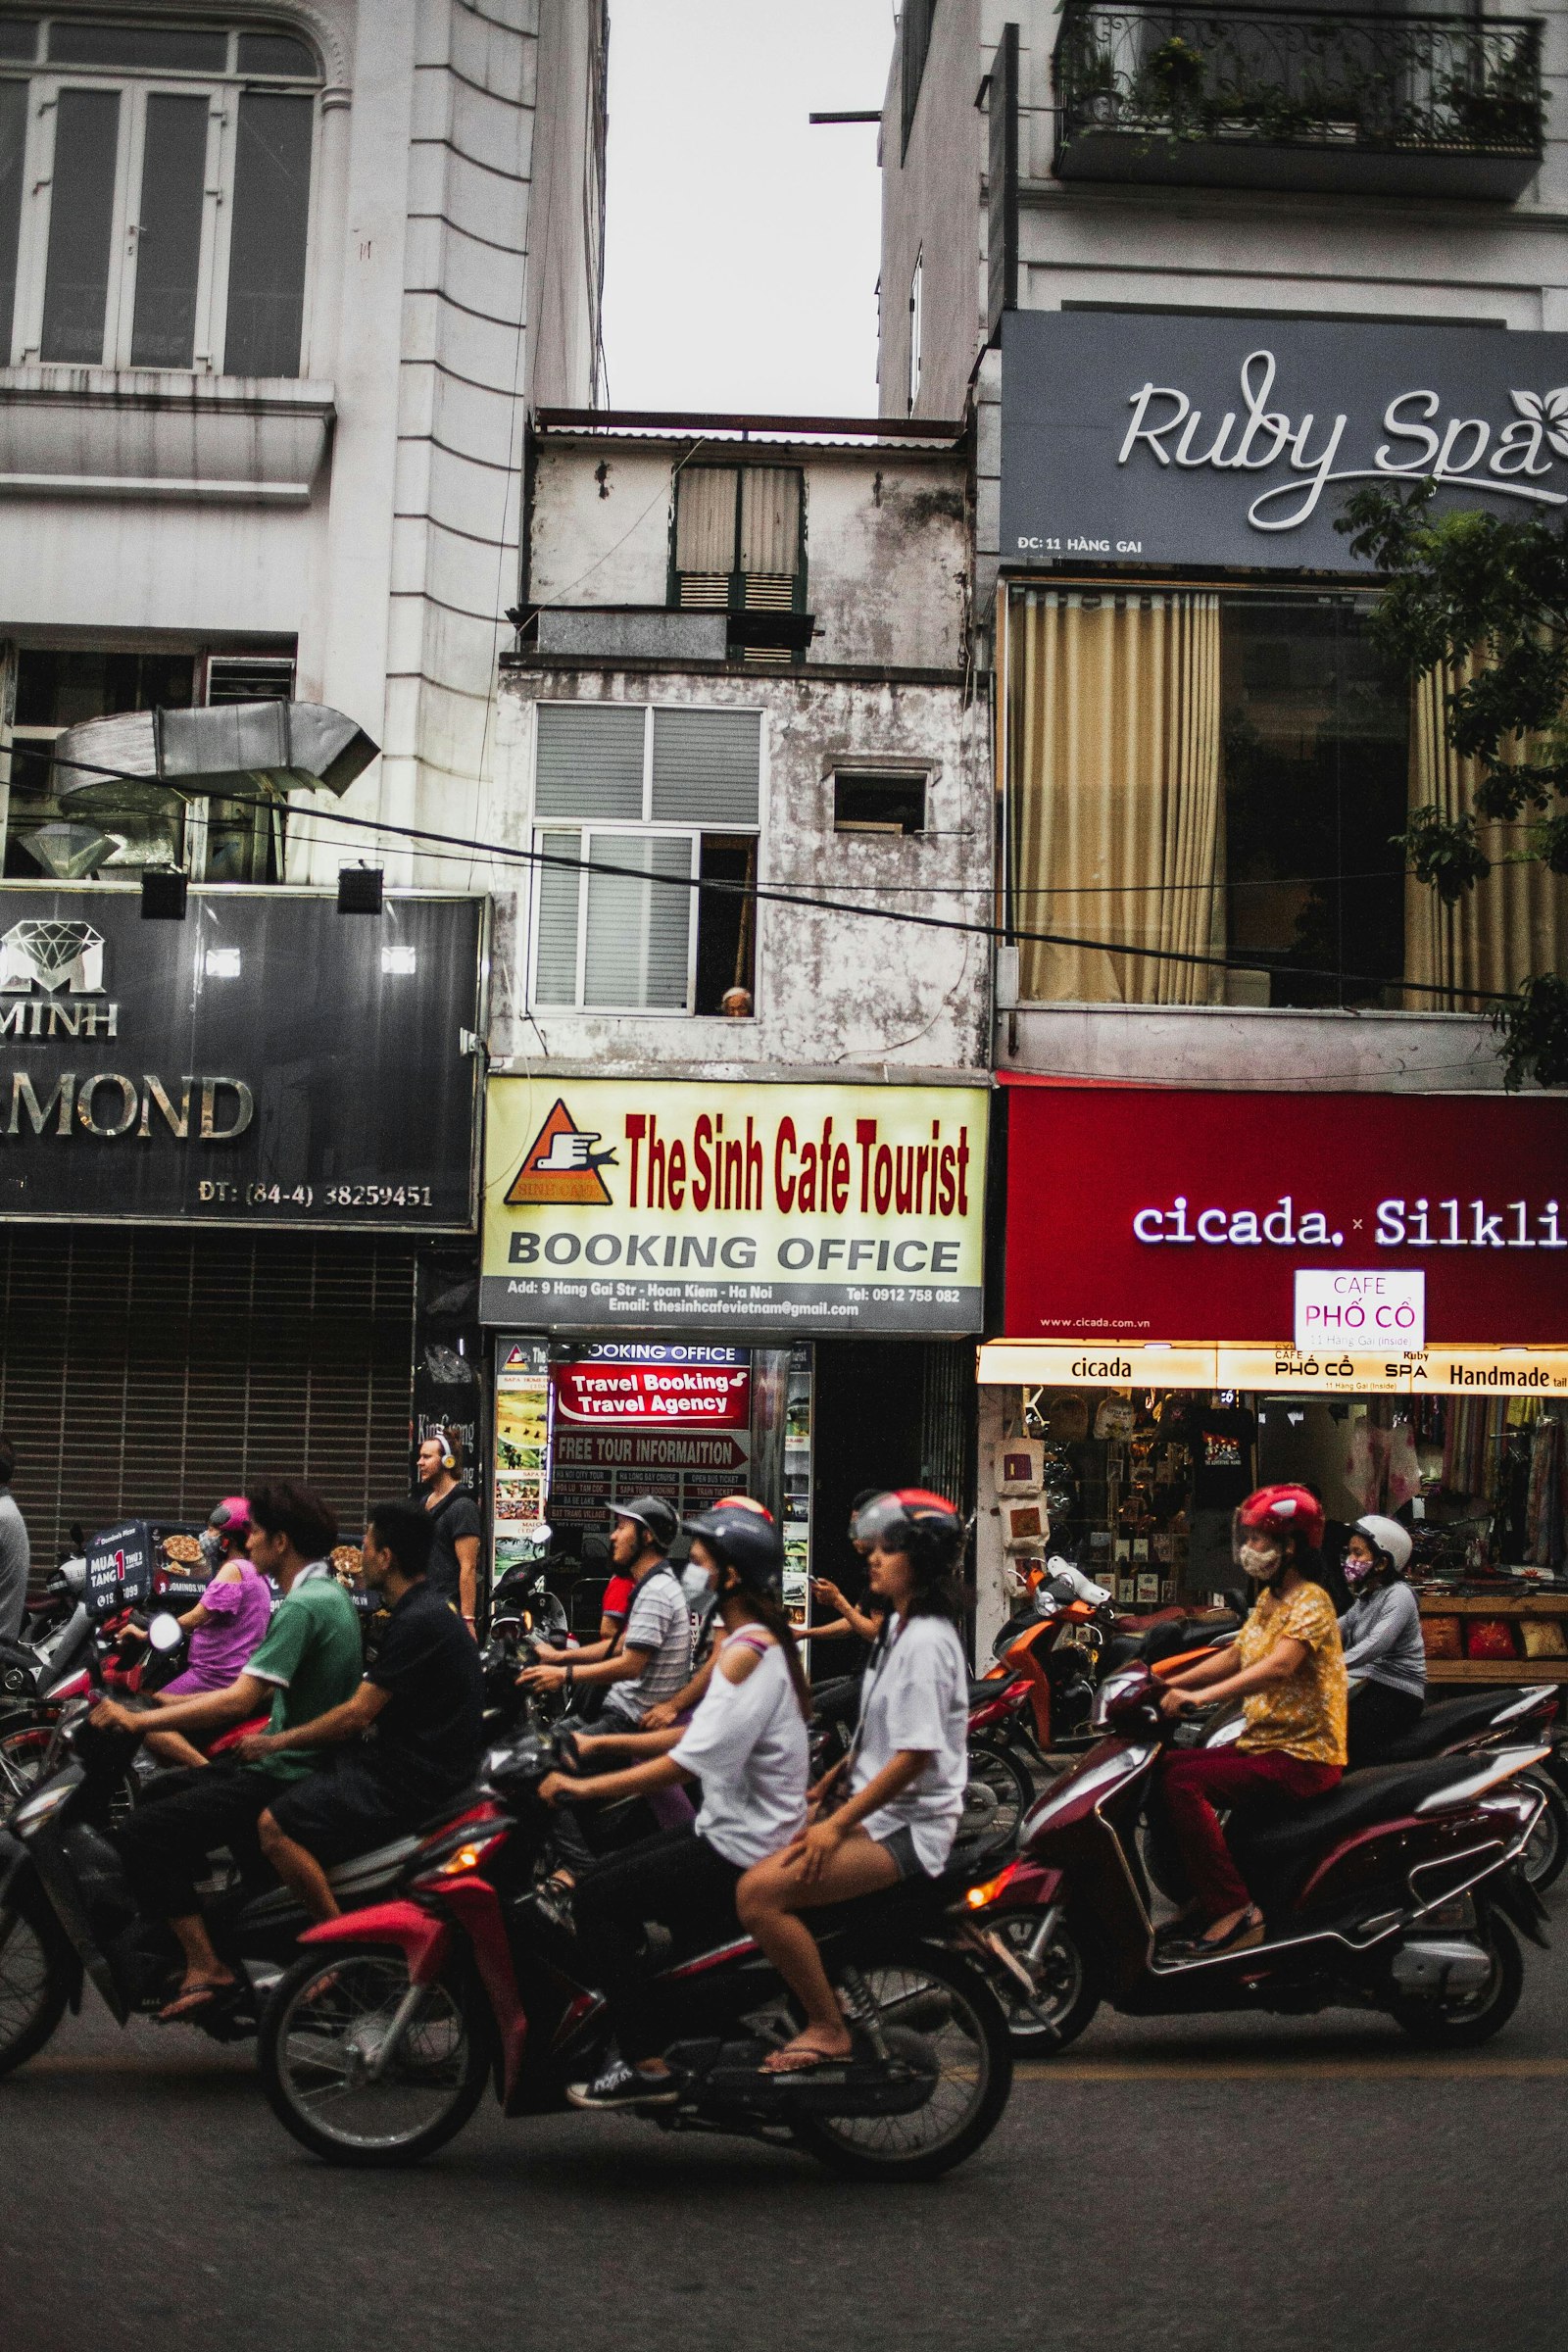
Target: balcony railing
(1236,97)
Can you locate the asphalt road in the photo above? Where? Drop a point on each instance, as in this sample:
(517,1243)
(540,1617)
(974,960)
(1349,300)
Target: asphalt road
(1252,2182)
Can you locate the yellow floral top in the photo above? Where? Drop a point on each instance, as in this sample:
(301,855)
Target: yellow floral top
(1304,1715)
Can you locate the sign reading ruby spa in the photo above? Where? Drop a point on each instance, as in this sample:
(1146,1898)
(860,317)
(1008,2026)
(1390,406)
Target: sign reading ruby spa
(1368,1222)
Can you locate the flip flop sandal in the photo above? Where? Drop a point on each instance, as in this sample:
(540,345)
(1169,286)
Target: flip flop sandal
(203,2001)
(804,2062)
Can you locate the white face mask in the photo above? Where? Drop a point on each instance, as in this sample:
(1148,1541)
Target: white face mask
(1259,1561)
(694,1582)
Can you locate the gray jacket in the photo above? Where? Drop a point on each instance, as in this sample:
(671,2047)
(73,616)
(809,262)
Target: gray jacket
(16,1558)
(1382,1636)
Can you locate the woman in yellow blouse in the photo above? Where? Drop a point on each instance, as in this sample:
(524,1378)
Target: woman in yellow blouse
(1287,1665)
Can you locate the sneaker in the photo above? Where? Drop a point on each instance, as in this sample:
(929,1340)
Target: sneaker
(621,2085)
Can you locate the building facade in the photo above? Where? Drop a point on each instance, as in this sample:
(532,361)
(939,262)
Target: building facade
(734,1184)
(1193,274)
(277,288)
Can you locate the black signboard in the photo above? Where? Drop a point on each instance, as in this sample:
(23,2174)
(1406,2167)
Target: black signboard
(266,1062)
(119,1567)
(1137,438)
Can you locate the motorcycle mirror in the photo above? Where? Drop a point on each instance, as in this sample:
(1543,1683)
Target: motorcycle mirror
(166,1634)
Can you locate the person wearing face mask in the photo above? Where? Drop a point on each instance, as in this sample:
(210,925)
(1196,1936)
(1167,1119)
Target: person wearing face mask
(747,1744)
(1287,1665)
(1381,1631)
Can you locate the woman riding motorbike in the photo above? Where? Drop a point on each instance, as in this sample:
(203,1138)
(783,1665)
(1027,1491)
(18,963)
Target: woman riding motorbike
(908,1765)
(747,1743)
(1287,1665)
(1381,1631)
(225,1626)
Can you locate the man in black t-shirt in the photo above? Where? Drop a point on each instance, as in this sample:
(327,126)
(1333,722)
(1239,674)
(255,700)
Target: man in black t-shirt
(413,1731)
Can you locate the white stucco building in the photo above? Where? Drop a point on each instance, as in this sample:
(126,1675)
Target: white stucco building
(277,287)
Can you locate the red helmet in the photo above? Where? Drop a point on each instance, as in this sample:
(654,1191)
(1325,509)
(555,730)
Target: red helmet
(1281,1511)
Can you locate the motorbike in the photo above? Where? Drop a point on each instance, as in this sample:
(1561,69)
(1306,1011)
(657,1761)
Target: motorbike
(67,1915)
(1001,1787)
(1402,1891)
(380,2042)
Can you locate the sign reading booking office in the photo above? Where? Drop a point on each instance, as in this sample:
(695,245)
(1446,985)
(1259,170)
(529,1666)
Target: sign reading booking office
(732,1206)
(1208,440)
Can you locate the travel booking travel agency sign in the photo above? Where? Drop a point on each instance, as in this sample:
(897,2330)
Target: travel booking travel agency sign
(733,1206)
(1325,1228)
(1214,441)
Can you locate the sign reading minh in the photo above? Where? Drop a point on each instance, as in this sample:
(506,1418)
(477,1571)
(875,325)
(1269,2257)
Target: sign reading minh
(1216,441)
(733,1206)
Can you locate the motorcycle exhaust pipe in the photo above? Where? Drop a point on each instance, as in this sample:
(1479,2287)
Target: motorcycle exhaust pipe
(1441,1965)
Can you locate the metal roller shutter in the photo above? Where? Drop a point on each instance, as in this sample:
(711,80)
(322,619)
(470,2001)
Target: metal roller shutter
(146,1372)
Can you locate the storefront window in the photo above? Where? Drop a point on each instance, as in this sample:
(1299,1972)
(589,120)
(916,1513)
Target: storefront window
(1211,783)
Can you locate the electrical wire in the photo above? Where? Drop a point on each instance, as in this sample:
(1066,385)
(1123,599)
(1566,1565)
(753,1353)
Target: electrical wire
(497,853)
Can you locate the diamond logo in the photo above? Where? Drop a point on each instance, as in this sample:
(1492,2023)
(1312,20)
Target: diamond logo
(52,956)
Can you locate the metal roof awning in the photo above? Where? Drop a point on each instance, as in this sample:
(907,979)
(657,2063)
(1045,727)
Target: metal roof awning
(139,757)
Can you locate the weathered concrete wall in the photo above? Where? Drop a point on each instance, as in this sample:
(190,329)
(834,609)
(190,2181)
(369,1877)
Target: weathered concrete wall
(887,540)
(1227,1046)
(931,205)
(832,990)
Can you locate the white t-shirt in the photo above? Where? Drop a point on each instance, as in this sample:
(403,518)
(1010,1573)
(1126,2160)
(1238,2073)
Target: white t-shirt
(916,1695)
(747,1744)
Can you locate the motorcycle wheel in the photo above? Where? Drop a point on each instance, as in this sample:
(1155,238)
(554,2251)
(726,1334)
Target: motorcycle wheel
(1546,1852)
(1066,1995)
(997,1795)
(951,2006)
(24,1749)
(36,1978)
(1469,2019)
(319,2032)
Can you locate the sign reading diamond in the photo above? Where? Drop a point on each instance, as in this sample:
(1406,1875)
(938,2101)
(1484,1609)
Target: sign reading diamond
(37,954)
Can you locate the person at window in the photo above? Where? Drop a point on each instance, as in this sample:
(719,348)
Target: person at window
(906,1768)
(455,1518)
(16,1553)
(747,1744)
(406,1741)
(1287,1665)
(308,1663)
(736,1003)
(1381,1631)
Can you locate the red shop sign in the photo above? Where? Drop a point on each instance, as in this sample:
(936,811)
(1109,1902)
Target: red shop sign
(1151,1213)
(615,1395)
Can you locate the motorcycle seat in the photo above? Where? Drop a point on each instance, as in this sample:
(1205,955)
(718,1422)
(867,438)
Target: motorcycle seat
(1441,1725)
(1279,1843)
(838,1700)
(982,1693)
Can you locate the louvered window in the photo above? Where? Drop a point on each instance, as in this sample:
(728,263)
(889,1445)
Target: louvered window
(146,1374)
(663,799)
(739,539)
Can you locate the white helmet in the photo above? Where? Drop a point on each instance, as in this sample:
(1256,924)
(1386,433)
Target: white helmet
(1388,1536)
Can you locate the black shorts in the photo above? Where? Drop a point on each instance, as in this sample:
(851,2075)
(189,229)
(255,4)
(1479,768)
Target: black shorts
(349,1808)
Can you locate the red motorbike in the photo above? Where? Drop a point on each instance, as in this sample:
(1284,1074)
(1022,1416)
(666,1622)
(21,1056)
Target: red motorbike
(378,2045)
(1400,1890)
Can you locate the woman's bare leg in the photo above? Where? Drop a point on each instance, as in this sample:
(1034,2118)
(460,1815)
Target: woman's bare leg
(767,1901)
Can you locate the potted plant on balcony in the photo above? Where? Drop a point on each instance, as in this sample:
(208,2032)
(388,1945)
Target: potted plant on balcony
(1499,108)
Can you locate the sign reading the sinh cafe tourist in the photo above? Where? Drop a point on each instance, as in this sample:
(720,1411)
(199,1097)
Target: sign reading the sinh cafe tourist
(1144,437)
(266,1062)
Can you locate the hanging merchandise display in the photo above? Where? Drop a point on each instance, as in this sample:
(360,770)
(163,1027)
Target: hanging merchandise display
(1020,1467)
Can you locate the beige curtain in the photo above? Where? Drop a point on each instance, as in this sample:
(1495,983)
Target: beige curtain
(705,518)
(1512,924)
(1118,825)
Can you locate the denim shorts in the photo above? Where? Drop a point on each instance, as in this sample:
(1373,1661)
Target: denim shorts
(900,1845)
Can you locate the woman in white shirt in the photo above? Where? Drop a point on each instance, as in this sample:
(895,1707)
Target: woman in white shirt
(907,1766)
(747,1743)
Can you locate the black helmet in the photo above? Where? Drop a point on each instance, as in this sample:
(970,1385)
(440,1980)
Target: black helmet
(653,1514)
(745,1541)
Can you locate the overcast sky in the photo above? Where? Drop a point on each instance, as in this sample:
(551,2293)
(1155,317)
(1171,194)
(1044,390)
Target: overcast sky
(742,243)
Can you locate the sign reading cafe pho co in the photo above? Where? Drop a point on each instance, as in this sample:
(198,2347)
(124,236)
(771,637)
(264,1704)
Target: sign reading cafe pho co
(1235,442)
(731,1206)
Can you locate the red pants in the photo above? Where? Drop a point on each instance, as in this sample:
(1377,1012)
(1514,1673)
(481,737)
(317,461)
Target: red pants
(1197,1781)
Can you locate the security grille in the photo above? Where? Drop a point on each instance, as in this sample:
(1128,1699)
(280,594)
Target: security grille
(145,1374)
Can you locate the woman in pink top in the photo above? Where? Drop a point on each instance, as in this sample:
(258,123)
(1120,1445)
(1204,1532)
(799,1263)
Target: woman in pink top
(225,1629)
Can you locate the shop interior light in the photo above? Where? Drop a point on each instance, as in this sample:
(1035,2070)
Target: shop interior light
(222,964)
(162,894)
(359,890)
(399,959)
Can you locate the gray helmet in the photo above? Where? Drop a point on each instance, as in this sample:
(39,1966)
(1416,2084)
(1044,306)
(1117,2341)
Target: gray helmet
(746,1541)
(653,1514)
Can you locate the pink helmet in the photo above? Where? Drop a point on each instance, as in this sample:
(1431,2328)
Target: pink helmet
(232,1520)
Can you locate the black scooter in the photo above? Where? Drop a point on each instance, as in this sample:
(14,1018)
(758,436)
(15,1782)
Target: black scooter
(67,1912)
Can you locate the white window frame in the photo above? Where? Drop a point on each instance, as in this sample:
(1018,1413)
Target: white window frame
(916,324)
(223,92)
(644,828)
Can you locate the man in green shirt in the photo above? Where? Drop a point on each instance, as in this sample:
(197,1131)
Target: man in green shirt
(309,1662)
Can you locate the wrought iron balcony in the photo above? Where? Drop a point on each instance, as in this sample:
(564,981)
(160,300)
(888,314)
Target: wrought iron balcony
(1270,98)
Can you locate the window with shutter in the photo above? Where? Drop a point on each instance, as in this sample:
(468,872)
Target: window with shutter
(665,799)
(739,542)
